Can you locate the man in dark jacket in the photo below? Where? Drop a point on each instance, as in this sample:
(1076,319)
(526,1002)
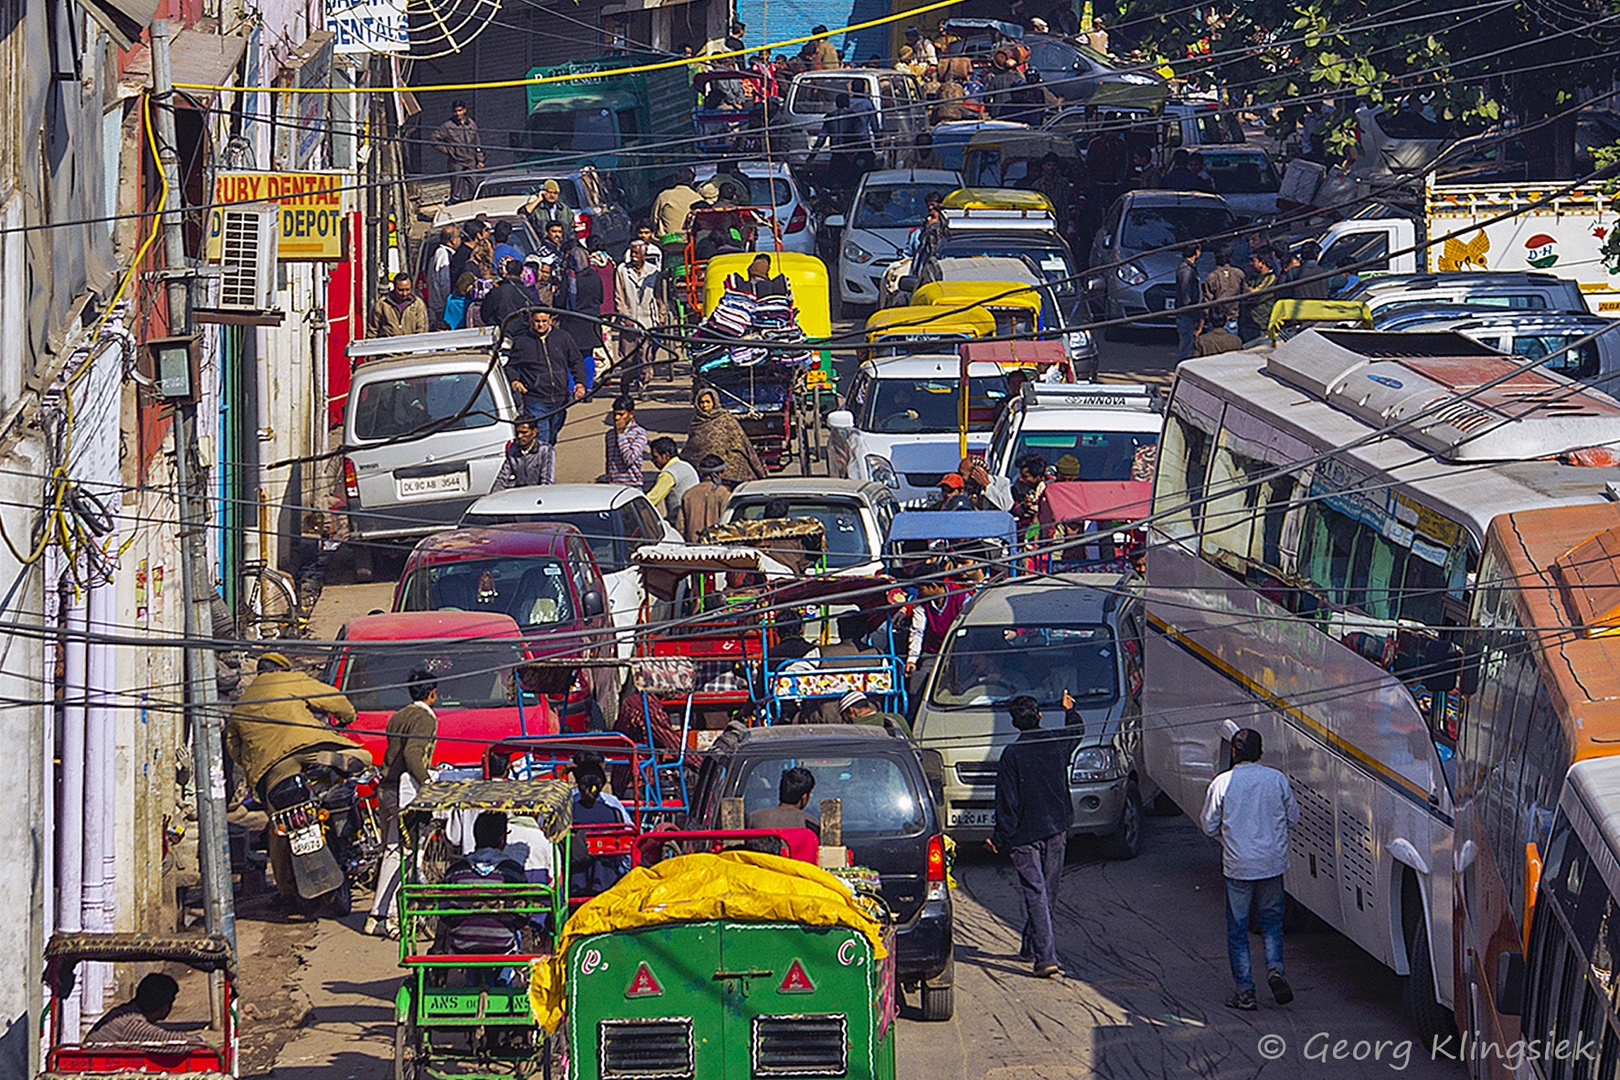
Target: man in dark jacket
(1189,294)
(1000,88)
(457,140)
(1309,280)
(507,298)
(529,460)
(1033,815)
(540,361)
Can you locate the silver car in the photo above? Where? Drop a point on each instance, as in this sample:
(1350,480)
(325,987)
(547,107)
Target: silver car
(1074,633)
(424,435)
(1135,253)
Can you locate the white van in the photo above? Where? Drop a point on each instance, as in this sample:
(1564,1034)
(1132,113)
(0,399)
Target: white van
(1080,633)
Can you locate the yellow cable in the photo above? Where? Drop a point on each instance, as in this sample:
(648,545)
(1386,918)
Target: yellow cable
(660,66)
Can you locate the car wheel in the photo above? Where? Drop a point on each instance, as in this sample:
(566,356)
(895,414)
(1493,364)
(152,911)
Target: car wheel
(1125,842)
(939,1001)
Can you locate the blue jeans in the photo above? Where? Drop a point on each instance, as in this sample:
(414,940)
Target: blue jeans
(1039,866)
(548,415)
(1265,898)
(1186,334)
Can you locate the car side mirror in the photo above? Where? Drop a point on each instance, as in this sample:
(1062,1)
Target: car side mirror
(834,221)
(842,419)
(593,604)
(1510,983)
(908,284)
(1107,241)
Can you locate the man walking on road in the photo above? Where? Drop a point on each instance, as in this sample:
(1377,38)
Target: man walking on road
(1189,294)
(626,443)
(674,203)
(506,299)
(399,311)
(411,732)
(541,359)
(1223,285)
(1033,815)
(704,502)
(1251,808)
(457,140)
(675,478)
(635,297)
(439,280)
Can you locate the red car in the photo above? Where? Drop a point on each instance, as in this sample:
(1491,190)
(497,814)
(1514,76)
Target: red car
(540,574)
(472,655)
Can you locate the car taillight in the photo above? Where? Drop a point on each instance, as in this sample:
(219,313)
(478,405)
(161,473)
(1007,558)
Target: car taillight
(797,222)
(582,224)
(351,481)
(937,882)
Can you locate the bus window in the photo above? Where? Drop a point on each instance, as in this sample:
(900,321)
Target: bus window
(1183,465)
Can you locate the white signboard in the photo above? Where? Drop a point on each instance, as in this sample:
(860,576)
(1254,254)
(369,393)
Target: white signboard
(368,26)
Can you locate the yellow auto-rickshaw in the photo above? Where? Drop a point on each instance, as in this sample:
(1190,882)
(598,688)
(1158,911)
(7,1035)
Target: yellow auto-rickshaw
(898,331)
(1002,157)
(1015,307)
(969,199)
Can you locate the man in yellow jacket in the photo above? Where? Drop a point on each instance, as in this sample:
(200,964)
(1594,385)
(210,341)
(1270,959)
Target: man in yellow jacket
(277,727)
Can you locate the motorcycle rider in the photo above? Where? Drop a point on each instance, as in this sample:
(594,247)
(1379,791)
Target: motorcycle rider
(275,729)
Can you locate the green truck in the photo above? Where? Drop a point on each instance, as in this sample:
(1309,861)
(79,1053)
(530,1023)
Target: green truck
(619,119)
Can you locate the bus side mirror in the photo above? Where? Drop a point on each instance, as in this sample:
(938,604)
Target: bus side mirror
(1468,665)
(1510,983)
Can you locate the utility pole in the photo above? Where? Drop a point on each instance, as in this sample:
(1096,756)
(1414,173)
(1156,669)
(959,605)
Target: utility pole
(207,742)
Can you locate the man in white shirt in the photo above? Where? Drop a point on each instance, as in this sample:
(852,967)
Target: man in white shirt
(1251,808)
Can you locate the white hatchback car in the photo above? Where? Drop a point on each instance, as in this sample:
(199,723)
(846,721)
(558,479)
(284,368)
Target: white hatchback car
(773,185)
(906,407)
(1109,430)
(888,205)
(856,515)
(615,519)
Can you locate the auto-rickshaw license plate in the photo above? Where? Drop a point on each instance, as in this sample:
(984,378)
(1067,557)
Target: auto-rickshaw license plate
(307,841)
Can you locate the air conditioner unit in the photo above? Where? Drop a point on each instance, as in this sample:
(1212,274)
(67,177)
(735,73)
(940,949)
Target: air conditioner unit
(249,234)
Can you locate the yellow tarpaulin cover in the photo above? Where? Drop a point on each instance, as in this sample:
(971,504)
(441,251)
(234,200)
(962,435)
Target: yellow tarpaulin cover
(742,886)
(1284,312)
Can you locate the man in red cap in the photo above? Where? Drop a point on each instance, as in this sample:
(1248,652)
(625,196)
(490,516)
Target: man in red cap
(949,484)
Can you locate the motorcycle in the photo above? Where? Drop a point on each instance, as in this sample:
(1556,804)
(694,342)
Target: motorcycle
(329,817)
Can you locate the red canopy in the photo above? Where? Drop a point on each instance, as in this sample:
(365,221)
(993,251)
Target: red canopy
(1095,500)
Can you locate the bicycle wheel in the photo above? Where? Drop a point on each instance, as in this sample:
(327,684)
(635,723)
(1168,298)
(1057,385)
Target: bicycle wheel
(269,606)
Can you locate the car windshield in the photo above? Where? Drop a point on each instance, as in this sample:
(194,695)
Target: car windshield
(877,797)
(534,591)
(898,206)
(523,187)
(1102,455)
(847,541)
(476,675)
(908,406)
(984,665)
(818,95)
(1052,262)
(1241,174)
(390,408)
(596,525)
(1148,227)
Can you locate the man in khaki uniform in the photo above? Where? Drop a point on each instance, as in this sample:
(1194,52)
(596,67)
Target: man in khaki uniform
(412,733)
(276,728)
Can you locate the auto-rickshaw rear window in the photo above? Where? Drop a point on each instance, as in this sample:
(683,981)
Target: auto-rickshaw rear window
(877,796)
(1013,321)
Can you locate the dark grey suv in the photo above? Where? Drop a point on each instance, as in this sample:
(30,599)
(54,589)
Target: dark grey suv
(890,799)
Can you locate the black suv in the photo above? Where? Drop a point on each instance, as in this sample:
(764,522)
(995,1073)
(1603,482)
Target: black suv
(891,824)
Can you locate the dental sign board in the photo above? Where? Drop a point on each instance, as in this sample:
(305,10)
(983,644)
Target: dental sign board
(312,208)
(367,26)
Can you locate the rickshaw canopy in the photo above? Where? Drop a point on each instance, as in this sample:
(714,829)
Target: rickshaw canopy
(1284,312)
(65,951)
(914,322)
(663,566)
(988,198)
(765,530)
(737,886)
(1035,355)
(952,525)
(806,277)
(1005,29)
(1094,500)
(969,294)
(549,802)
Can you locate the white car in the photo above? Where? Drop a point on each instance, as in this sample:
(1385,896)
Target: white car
(898,426)
(773,185)
(1245,177)
(888,205)
(615,518)
(1110,431)
(856,515)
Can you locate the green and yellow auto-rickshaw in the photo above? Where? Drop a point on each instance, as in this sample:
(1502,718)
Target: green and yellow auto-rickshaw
(463,1010)
(725,966)
(901,331)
